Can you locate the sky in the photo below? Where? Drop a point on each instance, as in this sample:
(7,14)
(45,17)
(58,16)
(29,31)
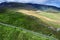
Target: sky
(46,2)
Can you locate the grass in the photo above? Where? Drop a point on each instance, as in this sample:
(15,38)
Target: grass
(54,16)
(27,22)
(12,33)
(24,21)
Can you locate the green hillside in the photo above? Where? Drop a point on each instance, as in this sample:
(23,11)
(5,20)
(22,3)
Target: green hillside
(53,16)
(30,25)
(15,33)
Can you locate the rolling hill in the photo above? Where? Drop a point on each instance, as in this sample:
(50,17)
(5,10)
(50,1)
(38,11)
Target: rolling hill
(34,18)
(30,6)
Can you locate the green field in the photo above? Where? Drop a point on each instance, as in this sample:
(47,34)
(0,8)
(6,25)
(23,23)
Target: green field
(52,16)
(24,21)
(33,28)
(15,33)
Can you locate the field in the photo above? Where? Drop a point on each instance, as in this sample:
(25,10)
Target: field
(15,33)
(51,19)
(52,16)
(19,25)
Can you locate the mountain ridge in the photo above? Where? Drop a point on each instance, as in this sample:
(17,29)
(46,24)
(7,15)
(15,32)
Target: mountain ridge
(29,6)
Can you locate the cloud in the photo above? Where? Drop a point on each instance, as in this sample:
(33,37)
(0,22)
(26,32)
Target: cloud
(26,1)
(1,0)
(39,1)
(49,2)
(10,0)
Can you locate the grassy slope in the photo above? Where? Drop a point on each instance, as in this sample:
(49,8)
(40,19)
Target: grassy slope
(53,16)
(11,33)
(24,21)
(49,18)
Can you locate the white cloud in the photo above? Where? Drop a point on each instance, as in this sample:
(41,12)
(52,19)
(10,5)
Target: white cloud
(39,1)
(53,2)
(33,1)
(26,1)
(1,0)
(10,0)
(49,2)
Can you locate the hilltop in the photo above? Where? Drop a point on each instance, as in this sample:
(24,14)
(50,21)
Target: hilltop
(30,6)
(32,19)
